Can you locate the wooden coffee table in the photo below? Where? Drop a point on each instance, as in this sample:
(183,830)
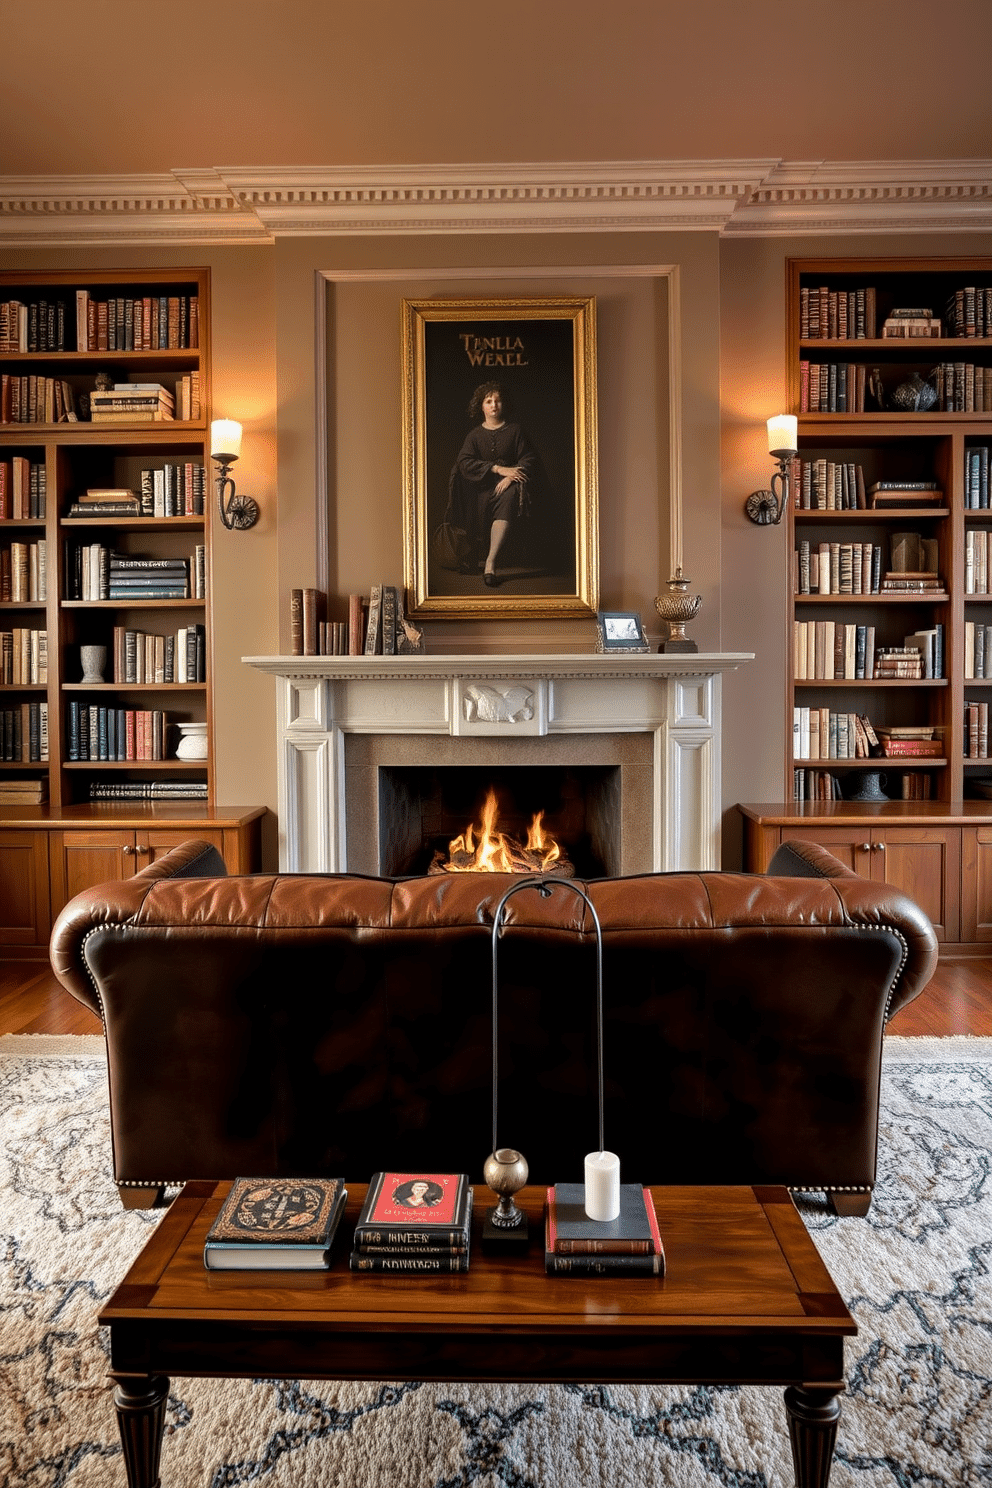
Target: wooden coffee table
(746,1300)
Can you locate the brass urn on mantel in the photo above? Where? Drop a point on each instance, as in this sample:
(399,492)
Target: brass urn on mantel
(677,607)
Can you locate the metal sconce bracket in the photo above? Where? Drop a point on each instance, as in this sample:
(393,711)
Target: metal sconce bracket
(236,512)
(767,508)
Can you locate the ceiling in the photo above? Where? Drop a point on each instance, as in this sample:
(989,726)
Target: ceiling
(105,88)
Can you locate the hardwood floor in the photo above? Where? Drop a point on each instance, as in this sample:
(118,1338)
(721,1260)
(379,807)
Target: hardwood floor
(958,1000)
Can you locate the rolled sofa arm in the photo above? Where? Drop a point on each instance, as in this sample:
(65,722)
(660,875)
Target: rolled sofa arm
(800,859)
(118,901)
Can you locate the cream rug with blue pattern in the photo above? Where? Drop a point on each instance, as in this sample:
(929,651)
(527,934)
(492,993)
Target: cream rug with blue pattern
(915,1274)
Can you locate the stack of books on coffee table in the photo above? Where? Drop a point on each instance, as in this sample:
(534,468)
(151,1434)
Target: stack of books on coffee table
(575,1245)
(414,1224)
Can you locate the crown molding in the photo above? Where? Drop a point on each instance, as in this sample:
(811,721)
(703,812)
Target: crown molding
(247,204)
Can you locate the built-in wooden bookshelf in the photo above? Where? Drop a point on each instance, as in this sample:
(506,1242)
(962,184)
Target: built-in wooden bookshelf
(891,404)
(60,333)
(852,470)
(105,387)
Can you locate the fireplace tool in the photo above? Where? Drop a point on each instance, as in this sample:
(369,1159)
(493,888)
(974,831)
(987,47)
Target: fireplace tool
(505,1229)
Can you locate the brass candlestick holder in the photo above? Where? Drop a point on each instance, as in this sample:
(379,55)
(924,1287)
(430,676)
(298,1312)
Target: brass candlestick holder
(677,607)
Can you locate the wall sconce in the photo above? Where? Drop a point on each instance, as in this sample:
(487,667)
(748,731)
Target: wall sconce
(236,512)
(768,507)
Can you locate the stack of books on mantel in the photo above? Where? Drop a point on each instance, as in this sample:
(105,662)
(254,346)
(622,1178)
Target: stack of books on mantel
(575,1245)
(414,1224)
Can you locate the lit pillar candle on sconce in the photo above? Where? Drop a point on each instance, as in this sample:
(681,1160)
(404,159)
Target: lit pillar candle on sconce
(767,508)
(236,512)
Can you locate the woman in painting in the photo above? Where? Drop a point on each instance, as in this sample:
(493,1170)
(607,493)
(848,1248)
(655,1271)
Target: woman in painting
(491,481)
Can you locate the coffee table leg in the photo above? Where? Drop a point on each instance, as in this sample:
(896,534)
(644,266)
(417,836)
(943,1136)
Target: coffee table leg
(813,1418)
(140,1400)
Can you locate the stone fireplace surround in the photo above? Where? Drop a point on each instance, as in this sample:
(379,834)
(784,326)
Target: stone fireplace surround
(341,720)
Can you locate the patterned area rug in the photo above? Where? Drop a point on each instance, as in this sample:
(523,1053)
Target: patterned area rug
(915,1274)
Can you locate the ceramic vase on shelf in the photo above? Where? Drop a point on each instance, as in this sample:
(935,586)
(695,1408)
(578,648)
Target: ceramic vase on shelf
(192,742)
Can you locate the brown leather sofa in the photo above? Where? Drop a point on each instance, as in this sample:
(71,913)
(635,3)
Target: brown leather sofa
(297,1024)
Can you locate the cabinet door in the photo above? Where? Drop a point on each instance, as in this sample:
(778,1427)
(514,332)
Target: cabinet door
(925,863)
(24,909)
(976,884)
(155,842)
(83,858)
(851,845)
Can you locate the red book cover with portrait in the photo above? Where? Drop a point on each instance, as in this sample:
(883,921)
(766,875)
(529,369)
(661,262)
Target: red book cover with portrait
(415,1208)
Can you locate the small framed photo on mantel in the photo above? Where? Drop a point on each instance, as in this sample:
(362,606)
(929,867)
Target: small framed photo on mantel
(620,631)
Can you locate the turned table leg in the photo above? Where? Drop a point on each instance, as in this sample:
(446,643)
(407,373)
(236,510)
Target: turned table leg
(140,1400)
(813,1418)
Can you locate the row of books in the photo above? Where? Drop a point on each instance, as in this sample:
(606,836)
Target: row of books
(141,657)
(834,650)
(94,572)
(377,627)
(821,785)
(976,481)
(165,491)
(28,399)
(417,1224)
(98,733)
(976,730)
(828,485)
(145,323)
(976,560)
(23,657)
(977,651)
(837,314)
(837,568)
(963,387)
(24,733)
(852,314)
(832,387)
(24,572)
(23,489)
(38,325)
(387,630)
(148,790)
(822,734)
(968,311)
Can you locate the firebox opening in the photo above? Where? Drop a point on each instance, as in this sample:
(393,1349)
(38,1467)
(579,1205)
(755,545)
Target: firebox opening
(422,809)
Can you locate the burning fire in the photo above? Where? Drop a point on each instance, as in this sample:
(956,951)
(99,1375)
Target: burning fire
(482,848)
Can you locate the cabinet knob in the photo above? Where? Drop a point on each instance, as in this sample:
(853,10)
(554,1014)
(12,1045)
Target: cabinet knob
(879,847)
(865,847)
(127,851)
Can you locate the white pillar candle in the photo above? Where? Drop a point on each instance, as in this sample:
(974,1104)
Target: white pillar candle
(782,432)
(602,1185)
(225,437)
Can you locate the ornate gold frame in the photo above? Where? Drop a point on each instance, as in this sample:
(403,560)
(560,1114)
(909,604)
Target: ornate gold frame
(424,584)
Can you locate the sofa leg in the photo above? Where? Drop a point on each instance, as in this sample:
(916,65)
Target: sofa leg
(133,1197)
(850,1205)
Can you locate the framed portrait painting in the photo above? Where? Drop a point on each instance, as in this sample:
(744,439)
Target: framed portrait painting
(499,458)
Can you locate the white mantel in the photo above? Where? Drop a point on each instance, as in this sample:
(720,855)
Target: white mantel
(675,699)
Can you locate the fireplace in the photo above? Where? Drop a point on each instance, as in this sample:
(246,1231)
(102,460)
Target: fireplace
(379,756)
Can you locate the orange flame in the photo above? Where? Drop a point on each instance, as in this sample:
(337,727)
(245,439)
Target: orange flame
(496,851)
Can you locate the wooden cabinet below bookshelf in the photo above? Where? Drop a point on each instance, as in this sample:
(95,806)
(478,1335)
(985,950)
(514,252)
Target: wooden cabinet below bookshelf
(48,858)
(938,853)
